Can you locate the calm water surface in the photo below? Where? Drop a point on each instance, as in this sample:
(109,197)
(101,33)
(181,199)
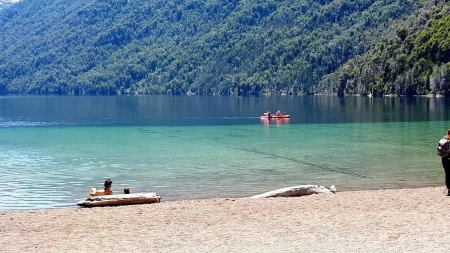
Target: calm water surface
(53,149)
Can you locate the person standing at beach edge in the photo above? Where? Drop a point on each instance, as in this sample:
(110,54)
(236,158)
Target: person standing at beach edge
(443,150)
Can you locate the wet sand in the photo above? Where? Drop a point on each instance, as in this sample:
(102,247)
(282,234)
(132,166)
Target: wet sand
(405,220)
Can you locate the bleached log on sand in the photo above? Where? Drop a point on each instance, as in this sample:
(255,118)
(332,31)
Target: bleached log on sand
(120,199)
(296,191)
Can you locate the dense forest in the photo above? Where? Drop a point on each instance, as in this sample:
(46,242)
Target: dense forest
(415,60)
(225,47)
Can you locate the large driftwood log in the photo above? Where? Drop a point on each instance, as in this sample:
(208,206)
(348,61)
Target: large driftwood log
(296,191)
(120,199)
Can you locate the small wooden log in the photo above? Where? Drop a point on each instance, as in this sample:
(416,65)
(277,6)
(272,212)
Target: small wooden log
(296,191)
(120,199)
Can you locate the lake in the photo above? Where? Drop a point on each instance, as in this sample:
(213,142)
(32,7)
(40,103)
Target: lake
(54,148)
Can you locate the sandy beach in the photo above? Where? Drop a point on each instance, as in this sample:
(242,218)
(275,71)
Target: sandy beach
(405,220)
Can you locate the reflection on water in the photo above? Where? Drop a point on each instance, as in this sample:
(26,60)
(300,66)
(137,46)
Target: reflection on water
(277,122)
(207,147)
(196,110)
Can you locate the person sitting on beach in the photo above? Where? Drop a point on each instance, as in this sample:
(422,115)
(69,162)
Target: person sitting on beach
(126,190)
(105,191)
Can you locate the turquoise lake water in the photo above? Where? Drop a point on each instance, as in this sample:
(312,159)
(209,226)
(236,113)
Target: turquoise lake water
(53,149)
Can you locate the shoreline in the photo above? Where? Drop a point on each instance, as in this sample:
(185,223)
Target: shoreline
(236,96)
(75,206)
(392,220)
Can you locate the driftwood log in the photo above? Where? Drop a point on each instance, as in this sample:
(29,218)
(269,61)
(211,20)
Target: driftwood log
(120,199)
(296,191)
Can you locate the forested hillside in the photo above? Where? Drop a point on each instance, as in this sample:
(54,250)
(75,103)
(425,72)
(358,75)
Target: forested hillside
(195,46)
(415,60)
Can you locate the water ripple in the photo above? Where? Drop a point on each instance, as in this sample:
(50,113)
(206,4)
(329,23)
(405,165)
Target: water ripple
(55,167)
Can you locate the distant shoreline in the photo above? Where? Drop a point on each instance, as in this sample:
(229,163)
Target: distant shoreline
(215,95)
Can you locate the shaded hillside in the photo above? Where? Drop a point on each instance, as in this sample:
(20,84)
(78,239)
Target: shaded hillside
(412,61)
(192,46)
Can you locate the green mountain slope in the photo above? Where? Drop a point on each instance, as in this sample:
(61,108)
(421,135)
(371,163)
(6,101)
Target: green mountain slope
(192,46)
(412,61)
